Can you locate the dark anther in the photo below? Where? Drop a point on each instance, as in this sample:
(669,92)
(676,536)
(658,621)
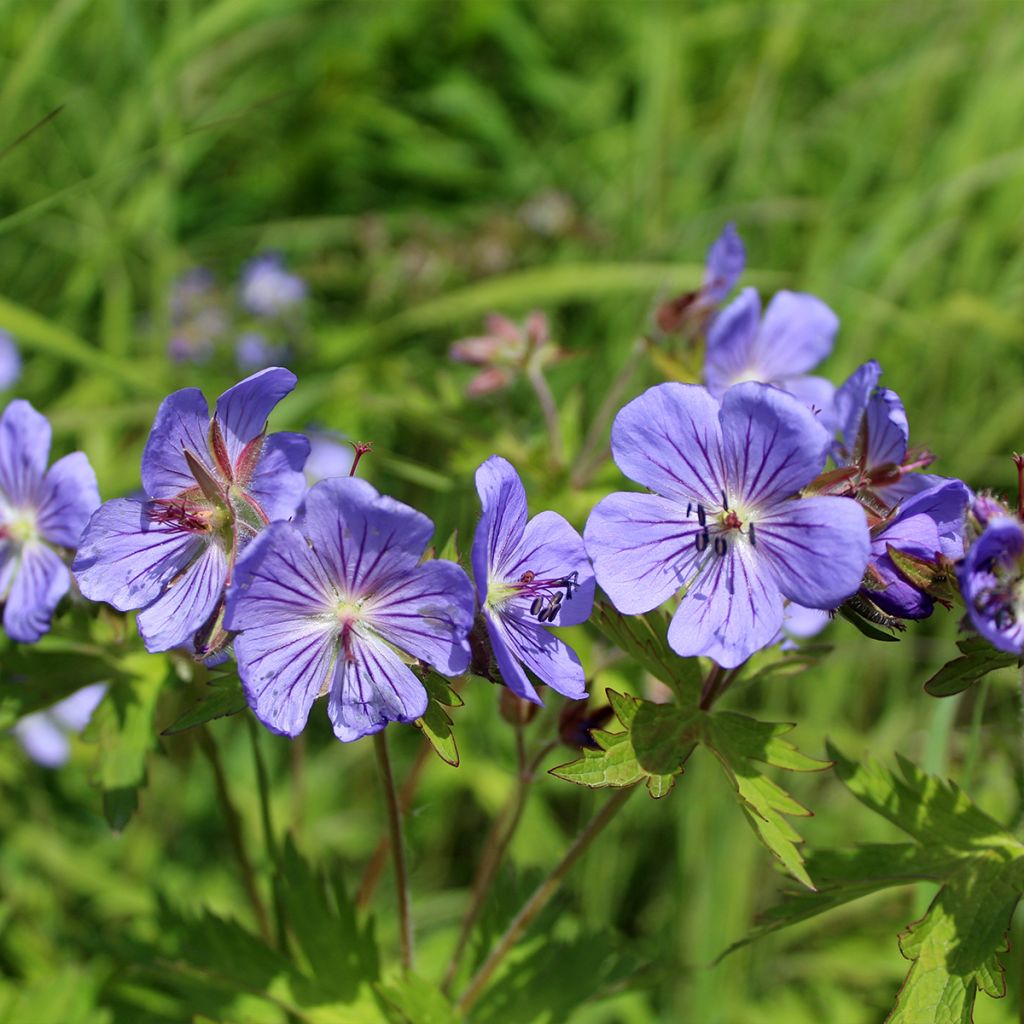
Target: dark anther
(538,603)
(689,509)
(701,515)
(702,540)
(725,501)
(753,538)
(720,546)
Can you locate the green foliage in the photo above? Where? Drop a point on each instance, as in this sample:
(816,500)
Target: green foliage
(977,659)
(954,948)
(436,723)
(225,698)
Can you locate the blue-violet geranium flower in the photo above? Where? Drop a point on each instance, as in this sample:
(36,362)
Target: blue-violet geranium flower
(991,579)
(41,510)
(211,485)
(724,525)
(529,576)
(338,603)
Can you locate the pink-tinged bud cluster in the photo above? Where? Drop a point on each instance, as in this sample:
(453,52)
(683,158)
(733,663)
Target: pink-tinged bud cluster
(505,350)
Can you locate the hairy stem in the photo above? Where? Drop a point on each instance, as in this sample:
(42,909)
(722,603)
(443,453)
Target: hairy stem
(269,839)
(375,867)
(549,410)
(540,898)
(380,745)
(592,452)
(233,820)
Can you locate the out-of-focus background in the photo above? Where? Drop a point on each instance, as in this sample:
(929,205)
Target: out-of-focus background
(418,165)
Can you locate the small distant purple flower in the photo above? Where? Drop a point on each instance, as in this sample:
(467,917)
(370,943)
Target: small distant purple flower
(44,734)
(330,455)
(211,485)
(529,576)
(795,335)
(928,525)
(992,584)
(726,260)
(10,361)
(198,317)
(724,525)
(874,438)
(800,623)
(336,603)
(270,290)
(255,351)
(41,510)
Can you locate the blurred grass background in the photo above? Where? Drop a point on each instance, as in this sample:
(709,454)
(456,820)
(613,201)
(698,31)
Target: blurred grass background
(420,164)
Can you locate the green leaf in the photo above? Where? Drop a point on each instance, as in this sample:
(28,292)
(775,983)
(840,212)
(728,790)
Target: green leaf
(978,659)
(417,1001)
(450,551)
(739,742)
(124,729)
(224,698)
(934,577)
(436,723)
(645,638)
(657,741)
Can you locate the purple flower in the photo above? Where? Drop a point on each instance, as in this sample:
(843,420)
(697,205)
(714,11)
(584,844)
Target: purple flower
(723,525)
(41,510)
(992,583)
(529,576)
(211,486)
(254,351)
(725,262)
(44,734)
(198,317)
(268,289)
(795,335)
(10,361)
(874,439)
(927,526)
(337,603)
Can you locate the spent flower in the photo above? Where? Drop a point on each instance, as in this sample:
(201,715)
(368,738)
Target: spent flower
(42,513)
(505,350)
(725,525)
(338,603)
(530,575)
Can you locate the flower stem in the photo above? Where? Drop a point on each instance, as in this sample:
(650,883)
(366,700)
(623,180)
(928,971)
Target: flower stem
(591,454)
(263,785)
(233,820)
(540,898)
(375,867)
(549,410)
(499,838)
(380,745)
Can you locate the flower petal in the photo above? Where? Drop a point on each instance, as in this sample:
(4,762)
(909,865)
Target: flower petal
(669,439)
(725,262)
(914,535)
(185,605)
(797,333)
(551,549)
(642,546)
(886,429)
(733,609)
(817,394)
(851,400)
(69,496)
(993,600)
(40,581)
(512,673)
(279,482)
(75,712)
(370,689)
(428,614)
(126,558)
(43,740)
(946,505)
(549,658)
(24,449)
(503,500)
(731,341)
(286,647)
(774,445)
(816,548)
(363,538)
(182,424)
(242,410)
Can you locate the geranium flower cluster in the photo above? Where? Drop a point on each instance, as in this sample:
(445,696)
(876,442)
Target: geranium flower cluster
(771,499)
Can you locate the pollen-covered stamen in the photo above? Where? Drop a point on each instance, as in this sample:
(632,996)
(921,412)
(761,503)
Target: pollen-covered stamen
(182,513)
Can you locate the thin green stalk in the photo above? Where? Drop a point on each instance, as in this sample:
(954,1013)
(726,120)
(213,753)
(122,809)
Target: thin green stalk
(540,899)
(549,410)
(233,821)
(974,736)
(380,745)
(273,854)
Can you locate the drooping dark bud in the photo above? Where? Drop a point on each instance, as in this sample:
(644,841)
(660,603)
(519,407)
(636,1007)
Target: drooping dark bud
(578,719)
